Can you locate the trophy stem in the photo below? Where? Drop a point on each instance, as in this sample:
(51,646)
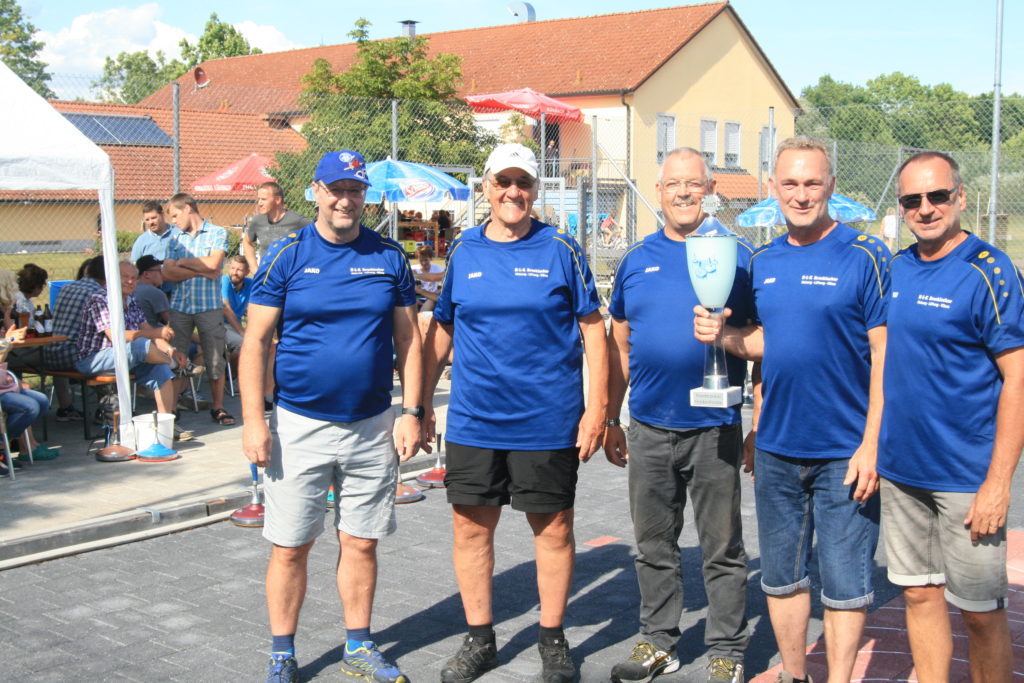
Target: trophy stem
(716,374)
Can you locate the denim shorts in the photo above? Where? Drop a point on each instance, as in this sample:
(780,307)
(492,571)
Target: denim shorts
(926,543)
(151,375)
(797,497)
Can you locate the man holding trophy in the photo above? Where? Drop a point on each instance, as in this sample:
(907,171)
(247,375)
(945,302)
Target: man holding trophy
(819,324)
(675,448)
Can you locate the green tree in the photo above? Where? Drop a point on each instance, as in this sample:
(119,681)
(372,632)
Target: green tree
(19,50)
(133,76)
(219,40)
(352,110)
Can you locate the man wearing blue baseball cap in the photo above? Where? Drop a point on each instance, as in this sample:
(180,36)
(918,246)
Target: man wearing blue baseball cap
(338,293)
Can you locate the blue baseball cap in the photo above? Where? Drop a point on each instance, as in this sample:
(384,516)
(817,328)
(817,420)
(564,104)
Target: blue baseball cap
(343,165)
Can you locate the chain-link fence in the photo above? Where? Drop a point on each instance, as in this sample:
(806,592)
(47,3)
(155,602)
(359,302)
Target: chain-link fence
(599,174)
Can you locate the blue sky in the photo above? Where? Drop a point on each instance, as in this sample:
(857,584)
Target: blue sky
(945,41)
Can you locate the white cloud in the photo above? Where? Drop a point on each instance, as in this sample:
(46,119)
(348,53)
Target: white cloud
(266,37)
(83,46)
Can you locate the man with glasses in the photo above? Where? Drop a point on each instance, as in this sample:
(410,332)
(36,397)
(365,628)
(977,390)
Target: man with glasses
(819,325)
(342,297)
(956,338)
(517,297)
(675,449)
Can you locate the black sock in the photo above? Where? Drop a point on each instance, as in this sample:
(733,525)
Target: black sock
(484,632)
(550,635)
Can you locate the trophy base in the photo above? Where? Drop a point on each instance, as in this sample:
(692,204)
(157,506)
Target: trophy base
(715,398)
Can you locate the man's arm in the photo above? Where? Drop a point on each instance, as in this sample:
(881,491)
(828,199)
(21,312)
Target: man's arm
(435,353)
(149,332)
(988,511)
(591,428)
(229,315)
(248,251)
(862,464)
(209,266)
(745,342)
(252,363)
(432,296)
(618,379)
(430,277)
(409,351)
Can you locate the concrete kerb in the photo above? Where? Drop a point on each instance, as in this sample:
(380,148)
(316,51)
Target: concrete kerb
(138,524)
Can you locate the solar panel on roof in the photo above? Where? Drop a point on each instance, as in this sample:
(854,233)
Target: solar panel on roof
(106,129)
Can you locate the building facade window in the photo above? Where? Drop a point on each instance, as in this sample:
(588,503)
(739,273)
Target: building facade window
(732,144)
(709,141)
(666,136)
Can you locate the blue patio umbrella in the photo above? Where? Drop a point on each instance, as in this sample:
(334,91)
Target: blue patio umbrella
(405,181)
(767,213)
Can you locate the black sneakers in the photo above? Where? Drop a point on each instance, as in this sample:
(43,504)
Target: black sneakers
(474,658)
(557,662)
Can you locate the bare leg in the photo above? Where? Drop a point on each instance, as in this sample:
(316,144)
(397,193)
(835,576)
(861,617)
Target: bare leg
(473,557)
(789,615)
(286,587)
(843,629)
(988,646)
(929,632)
(217,390)
(555,546)
(164,397)
(357,578)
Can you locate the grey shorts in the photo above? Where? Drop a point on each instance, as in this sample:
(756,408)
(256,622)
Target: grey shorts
(232,340)
(308,456)
(210,325)
(926,543)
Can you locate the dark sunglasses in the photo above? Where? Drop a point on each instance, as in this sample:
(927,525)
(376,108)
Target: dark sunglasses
(936,197)
(504,182)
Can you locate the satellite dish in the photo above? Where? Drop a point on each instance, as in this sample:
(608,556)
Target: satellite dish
(202,80)
(522,11)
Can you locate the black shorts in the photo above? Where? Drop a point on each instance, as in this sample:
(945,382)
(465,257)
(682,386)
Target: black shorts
(533,481)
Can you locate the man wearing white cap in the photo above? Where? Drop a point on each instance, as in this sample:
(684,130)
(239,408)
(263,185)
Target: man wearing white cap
(341,296)
(516,298)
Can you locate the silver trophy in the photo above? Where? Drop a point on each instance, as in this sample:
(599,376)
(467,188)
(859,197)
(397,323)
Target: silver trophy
(711,260)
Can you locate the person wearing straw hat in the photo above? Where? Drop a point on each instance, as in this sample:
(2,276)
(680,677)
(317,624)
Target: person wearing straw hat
(517,298)
(341,297)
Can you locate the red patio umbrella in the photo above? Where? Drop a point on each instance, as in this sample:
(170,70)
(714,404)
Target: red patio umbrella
(529,102)
(245,174)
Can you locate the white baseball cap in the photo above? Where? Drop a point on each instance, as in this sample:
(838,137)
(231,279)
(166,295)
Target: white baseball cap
(512,155)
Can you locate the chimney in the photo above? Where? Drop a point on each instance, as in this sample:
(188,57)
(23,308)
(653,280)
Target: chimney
(409,28)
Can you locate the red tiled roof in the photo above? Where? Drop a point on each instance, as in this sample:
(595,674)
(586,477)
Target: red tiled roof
(210,140)
(608,53)
(738,185)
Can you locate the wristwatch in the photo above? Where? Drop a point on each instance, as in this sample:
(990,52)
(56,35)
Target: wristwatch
(416,412)
(612,423)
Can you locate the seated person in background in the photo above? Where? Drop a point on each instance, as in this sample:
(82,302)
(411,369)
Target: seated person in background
(234,292)
(148,290)
(428,289)
(31,281)
(150,355)
(611,231)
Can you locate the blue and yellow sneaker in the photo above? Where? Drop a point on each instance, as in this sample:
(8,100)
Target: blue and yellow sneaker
(283,670)
(368,662)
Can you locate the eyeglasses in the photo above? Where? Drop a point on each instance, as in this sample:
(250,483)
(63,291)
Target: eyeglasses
(936,197)
(342,192)
(504,182)
(672,186)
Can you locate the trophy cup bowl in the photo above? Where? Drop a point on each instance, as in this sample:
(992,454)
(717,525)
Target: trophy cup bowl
(711,261)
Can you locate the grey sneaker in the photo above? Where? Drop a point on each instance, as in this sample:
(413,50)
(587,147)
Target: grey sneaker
(725,670)
(645,661)
(786,677)
(557,663)
(181,434)
(474,658)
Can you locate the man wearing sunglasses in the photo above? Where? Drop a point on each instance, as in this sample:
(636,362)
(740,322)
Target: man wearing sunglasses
(955,339)
(517,297)
(341,297)
(819,329)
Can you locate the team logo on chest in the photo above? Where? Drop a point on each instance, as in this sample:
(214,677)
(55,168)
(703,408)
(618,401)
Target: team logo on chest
(523,271)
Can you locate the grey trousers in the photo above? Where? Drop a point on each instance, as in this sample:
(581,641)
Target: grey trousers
(663,466)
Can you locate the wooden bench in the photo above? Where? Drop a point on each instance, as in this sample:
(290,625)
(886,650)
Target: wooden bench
(85,381)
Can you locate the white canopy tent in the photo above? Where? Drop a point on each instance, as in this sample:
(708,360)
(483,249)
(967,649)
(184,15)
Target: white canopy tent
(41,150)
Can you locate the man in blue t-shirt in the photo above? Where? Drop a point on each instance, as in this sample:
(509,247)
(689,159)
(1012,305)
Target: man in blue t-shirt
(235,288)
(340,298)
(675,449)
(952,431)
(517,297)
(156,235)
(819,330)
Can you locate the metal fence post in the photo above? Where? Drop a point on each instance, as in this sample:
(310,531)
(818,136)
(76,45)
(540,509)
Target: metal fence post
(176,105)
(593,191)
(993,200)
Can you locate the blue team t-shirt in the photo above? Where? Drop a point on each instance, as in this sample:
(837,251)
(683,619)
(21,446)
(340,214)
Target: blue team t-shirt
(237,299)
(653,293)
(816,304)
(517,375)
(948,318)
(334,359)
